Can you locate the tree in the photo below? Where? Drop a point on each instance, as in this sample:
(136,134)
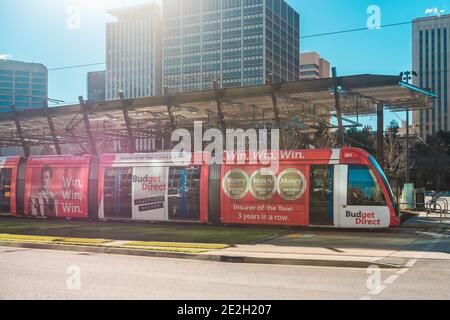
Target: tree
(440,145)
(394,153)
(322,138)
(362,139)
(393,127)
(440,142)
(432,169)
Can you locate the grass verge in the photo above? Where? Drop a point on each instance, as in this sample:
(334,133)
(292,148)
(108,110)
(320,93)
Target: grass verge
(138,232)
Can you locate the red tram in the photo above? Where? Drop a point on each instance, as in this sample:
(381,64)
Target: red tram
(342,188)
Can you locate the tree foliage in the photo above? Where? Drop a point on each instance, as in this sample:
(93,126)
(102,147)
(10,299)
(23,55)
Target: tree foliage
(394,153)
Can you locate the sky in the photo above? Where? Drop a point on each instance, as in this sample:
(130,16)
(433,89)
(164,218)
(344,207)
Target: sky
(42,31)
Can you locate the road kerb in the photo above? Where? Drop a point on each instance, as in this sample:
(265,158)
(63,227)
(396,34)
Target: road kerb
(204,256)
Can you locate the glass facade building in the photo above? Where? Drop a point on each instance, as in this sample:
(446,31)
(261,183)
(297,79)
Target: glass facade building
(96,84)
(431,54)
(236,42)
(133,52)
(23,84)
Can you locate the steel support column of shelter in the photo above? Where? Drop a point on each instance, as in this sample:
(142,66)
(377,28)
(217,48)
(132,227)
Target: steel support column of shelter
(126,116)
(169,103)
(380,134)
(51,125)
(219,97)
(26,149)
(274,88)
(337,99)
(88,126)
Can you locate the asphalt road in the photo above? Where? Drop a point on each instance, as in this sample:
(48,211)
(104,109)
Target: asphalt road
(41,274)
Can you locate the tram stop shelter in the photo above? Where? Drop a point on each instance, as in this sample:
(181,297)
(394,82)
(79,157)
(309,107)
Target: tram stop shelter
(293,106)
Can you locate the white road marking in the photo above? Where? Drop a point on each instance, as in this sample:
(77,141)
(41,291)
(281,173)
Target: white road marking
(411,263)
(377,291)
(391,279)
(402,271)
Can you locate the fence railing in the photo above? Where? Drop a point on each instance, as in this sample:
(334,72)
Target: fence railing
(437,205)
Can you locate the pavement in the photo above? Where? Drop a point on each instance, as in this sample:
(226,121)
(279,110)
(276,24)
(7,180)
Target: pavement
(421,237)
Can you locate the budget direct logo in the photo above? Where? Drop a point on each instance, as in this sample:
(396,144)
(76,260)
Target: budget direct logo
(149,183)
(364,218)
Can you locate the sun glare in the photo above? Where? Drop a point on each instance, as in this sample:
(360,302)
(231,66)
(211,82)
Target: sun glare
(109,4)
(99,4)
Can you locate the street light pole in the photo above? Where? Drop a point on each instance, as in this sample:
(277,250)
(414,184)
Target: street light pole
(407,76)
(407,145)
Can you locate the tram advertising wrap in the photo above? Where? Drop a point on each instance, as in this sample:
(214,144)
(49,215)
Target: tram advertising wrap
(151,188)
(57,187)
(149,194)
(255,195)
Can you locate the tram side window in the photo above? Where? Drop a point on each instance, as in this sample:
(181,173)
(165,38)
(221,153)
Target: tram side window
(184,193)
(363,188)
(117,193)
(5,189)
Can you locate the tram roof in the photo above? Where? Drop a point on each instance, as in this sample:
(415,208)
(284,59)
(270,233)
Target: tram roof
(302,105)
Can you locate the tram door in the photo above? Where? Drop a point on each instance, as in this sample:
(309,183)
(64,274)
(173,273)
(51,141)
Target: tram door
(184,193)
(5,190)
(321,212)
(117,193)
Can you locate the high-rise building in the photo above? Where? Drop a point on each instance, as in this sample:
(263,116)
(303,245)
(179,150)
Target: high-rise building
(312,66)
(96,86)
(431,55)
(236,42)
(23,84)
(133,52)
